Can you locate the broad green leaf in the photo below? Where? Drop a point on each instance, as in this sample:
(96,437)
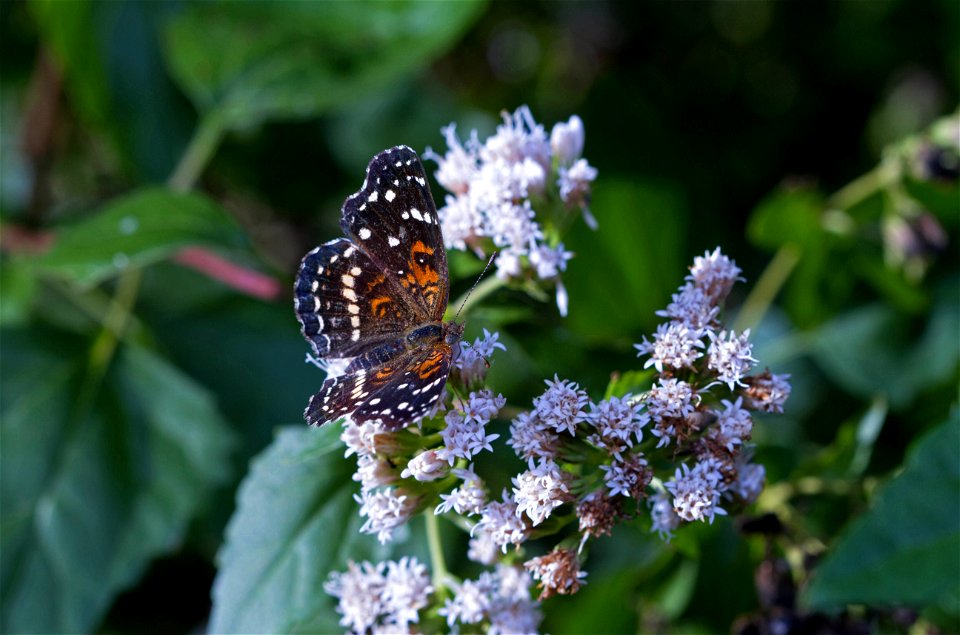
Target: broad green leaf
(295,518)
(628,268)
(903,551)
(256,61)
(874,350)
(137,230)
(96,483)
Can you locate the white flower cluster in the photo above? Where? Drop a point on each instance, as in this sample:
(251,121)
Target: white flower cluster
(503,522)
(540,490)
(692,355)
(386,503)
(465,434)
(694,359)
(385,597)
(511,190)
(499,599)
(472,362)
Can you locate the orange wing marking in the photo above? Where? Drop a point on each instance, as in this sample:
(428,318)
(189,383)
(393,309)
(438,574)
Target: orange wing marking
(423,275)
(380,305)
(430,366)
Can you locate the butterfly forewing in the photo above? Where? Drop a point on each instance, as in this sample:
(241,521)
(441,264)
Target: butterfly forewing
(394,220)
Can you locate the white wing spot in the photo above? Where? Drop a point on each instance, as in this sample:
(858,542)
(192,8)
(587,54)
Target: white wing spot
(398,163)
(390,195)
(347,253)
(333,259)
(416,213)
(405,216)
(356,271)
(403,406)
(353,308)
(316,303)
(375,401)
(347,280)
(354,319)
(393,241)
(314,286)
(426,217)
(364,233)
(355,335)
(374,195)
(350,294)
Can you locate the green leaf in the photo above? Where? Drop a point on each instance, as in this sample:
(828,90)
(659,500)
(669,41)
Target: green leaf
(18,284)
(874,350)
(295,517)
(617,280)
(95,487)
(903,551)
(67,29)
(256,61)
(786,217)
(113,71)
(631,381)
(137,230)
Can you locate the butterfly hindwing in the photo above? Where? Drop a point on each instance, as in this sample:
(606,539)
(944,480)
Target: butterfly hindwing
(344,303)
(402,390)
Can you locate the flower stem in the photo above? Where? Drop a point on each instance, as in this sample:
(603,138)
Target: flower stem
(475,294)
(439,565)
(200,150)
(768,286)
(105,345)
(865,186)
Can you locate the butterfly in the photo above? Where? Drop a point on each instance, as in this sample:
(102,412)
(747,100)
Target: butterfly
(371,304)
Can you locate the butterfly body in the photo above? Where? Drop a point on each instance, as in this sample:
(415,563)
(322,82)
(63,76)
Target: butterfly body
(371,304)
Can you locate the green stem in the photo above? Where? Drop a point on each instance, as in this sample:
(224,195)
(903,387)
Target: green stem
(767,287)
(202,146)
(477,293)
(865,186)
(439,565)
(114,325)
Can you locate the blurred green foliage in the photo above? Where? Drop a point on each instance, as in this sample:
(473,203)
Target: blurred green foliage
(137,388)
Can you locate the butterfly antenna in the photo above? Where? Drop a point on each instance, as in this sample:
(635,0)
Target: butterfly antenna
(479,278)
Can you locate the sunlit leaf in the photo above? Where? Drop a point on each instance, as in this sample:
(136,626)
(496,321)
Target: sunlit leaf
(137,230)
(260,60)
(295,519)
